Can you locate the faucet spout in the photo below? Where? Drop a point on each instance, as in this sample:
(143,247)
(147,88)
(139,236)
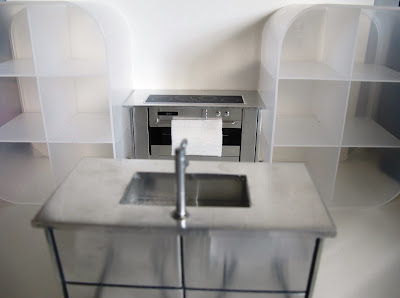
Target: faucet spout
(180,168)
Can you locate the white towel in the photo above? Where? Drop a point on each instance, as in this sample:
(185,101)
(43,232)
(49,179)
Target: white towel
(204,136)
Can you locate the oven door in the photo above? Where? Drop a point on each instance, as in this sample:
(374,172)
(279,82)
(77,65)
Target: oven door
(160,144)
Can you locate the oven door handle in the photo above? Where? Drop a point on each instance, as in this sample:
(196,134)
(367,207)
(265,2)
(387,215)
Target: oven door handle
(168,122)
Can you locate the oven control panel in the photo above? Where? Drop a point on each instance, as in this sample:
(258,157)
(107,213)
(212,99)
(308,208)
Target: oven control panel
(224,113)
(162,116)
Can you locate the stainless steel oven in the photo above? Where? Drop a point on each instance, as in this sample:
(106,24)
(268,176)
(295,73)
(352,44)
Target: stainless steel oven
(151,124)
(160,128)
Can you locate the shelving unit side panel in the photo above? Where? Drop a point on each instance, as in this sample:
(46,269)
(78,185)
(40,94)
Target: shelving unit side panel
(267,90)
(121,124)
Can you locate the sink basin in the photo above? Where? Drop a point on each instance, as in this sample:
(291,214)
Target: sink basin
(202,190)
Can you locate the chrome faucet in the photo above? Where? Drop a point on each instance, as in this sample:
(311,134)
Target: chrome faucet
(180,168)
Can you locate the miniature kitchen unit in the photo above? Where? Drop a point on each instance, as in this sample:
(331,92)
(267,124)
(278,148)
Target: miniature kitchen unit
(312,133)
(253,230)
(152,112)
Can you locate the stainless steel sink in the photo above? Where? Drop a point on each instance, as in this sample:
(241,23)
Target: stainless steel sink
(202,190)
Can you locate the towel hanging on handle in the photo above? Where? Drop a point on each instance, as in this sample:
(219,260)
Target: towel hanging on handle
(204,136)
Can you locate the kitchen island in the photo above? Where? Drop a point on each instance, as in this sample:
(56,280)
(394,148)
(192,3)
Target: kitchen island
(104,247)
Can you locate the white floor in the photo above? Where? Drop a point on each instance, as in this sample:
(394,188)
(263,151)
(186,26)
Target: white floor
(364,258)
(362,261)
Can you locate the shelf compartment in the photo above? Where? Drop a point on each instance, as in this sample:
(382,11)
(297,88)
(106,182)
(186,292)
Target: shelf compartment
(26,127)
(76,110)
(17,68)
(321,163)
(310,113)
(301,131)
(25,173)
(16,59)
(374,73)
(85,128)
(372,115)
(364,132)
(308,70)
(74,68)
(376,56)
(366,177)
(319,44)
(20,113)
(67,42)
(64,156)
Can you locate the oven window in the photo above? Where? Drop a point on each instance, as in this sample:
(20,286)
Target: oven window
(162,136)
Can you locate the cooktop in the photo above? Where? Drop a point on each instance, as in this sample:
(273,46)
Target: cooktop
(195,98)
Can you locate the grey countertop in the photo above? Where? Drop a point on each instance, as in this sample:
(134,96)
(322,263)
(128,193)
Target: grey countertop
(251,98)
(282,198)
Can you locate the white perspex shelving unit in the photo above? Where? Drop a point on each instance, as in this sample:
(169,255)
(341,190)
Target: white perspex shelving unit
(65,70)
(330,75)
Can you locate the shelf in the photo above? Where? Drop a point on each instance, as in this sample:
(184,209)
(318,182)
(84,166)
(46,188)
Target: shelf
(66,68)
(309,70)
(17,68)
(85,128)
(374,73)
(364,132)
(361,182)
(301,131)
(26,127)
(73,68)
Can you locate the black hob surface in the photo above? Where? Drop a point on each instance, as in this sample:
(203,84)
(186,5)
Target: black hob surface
(195,98)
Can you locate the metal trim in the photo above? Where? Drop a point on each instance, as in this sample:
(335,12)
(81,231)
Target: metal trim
(53,245)
(182,266)
(249,132)
(258,136)
(245,291)
(165,150)
(78,283)
(313,270)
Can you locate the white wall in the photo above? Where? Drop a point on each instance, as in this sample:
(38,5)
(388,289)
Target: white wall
(199,44)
